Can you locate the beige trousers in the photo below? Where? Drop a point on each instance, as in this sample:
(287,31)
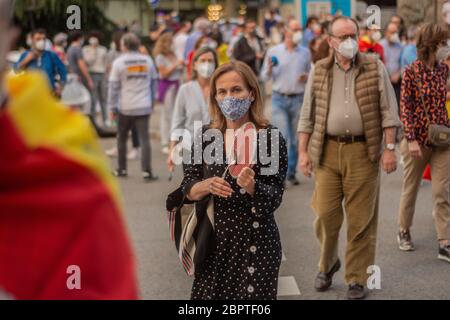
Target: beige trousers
(439,160)
(348,180)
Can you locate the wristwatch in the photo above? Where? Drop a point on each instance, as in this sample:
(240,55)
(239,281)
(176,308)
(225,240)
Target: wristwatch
(390,147)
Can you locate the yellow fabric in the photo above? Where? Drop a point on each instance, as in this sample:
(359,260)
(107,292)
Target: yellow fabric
(447,104)
(222,54)
(44,122)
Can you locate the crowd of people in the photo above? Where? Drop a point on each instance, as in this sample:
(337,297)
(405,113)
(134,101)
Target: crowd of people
(343,98)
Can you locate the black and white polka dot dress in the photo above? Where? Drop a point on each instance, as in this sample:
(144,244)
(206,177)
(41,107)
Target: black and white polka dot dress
(247,258)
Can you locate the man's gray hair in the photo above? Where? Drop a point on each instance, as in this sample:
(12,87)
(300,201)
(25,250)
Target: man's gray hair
(131,41)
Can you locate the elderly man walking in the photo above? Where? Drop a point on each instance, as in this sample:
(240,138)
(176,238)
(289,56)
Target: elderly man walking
(288,65)
(349,106)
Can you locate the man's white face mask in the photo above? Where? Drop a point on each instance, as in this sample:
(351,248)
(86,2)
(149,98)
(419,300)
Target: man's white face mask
(348,48)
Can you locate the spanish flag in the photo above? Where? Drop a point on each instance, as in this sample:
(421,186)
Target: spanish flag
(62,234)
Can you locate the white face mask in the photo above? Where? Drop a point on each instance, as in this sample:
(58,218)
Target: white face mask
(376,36)
(297,37)
(40,45)
(93,41)
(205,69)
(395,38)
(348,48)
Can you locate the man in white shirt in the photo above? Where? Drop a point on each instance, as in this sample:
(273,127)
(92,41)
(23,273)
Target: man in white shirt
(132,87)
(288,65)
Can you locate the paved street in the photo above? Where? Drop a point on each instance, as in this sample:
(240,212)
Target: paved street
(413,275)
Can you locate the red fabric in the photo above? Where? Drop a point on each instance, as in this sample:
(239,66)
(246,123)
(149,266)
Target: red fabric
(55,213)
(427,173)
(365,46)
(189,65)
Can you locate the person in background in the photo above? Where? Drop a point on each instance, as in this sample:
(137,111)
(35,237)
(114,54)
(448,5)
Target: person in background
(370,42)
(276,34)
(132,88)
(312,30)
(320,49)
(222,47)
(402,31)
(76,61)
(170,70)
(269,22)
(446,13)
(250,47)
(180,39)
(227,30)
(238,31)
(37,58)
(95,56)
(201,27)
(191,103)
(409,54)
(59,46)
(136,28)
(113,53)
(424,94)
(288,65)
(393,50)
(203,41)
(160,26)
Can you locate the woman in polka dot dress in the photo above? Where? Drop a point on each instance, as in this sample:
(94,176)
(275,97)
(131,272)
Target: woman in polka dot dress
(247,257)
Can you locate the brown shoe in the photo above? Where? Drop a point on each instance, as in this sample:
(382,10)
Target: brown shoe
(356,292)
(324,280)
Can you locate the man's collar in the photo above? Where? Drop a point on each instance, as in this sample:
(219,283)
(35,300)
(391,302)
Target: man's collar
(352,64)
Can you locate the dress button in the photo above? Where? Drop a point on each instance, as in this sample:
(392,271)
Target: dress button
(251,270)
(252,249)
(253,210)
(256,224)
(250,289)
(242,191)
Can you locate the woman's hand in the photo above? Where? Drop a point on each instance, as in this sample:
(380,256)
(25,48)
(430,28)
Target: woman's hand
(246,180)
(414,150)
(219,187)
(170,163)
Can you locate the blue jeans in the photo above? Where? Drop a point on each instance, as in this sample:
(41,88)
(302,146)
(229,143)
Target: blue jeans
(285,116)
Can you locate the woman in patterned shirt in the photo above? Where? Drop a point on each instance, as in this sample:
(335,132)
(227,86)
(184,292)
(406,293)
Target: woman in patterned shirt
(426,78)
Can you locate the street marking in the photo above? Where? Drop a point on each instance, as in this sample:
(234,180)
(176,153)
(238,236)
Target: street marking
(287,286)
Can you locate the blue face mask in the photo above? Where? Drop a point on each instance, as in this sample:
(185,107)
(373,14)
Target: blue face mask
(234,108)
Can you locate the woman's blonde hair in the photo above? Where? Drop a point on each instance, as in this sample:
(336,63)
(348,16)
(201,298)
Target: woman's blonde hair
(218,120)
(163,44)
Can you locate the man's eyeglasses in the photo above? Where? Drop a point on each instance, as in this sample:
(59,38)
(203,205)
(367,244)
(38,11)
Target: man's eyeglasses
(345,37)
